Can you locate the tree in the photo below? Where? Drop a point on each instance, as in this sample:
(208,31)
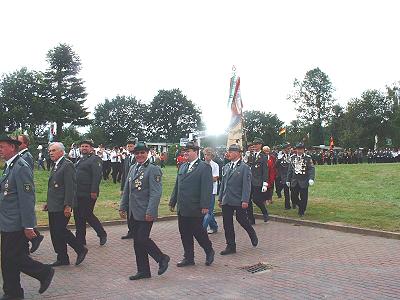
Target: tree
(65,91)
(262,125)
(314,101)
(120,118)
(22,105)
(172,116)
(369,116)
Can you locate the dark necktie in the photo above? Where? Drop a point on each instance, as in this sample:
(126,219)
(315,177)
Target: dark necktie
(185,168)
(137,169)
(5,169)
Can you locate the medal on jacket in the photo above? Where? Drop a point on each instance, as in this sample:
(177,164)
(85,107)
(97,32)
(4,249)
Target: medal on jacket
(6,188)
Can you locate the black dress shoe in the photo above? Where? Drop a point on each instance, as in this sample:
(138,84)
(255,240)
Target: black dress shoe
(254,240)
(10,297)
(163,264)
(44,284)
(228,250)
(185,262)
(81,256)
(103,240)
(139,276)
(36,243)
(210,257)
(128,236)
(58,263)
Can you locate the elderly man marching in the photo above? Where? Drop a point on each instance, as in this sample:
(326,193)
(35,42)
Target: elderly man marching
(61,199)
(301,174)
(234,197)
(17,220)
(140,199)
(191,195)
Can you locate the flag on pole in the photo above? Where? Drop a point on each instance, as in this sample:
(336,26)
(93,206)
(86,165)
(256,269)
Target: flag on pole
(282,131)
(235,129)
(376,142)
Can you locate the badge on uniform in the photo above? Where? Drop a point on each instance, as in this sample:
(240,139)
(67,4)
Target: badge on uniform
(157,178)
(27,187)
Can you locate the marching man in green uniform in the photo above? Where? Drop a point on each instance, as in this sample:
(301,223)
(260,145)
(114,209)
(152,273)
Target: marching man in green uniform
(88,178)
(140,199)
(17,220)
(301,175)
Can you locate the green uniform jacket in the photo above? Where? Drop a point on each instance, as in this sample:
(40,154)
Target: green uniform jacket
(142,191)
(17,197)
(62,186)
(88,175)
(193,189)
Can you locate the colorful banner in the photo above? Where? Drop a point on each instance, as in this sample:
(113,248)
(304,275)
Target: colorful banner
(235,130)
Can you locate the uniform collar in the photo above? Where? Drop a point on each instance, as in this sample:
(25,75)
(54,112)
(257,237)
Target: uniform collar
(23,151)
(193,162)
(9,162)
(58,161)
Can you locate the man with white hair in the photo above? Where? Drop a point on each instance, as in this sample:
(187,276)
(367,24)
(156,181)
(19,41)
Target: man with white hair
(61,198)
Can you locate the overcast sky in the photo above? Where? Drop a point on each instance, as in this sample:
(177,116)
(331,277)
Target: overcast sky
(138,47)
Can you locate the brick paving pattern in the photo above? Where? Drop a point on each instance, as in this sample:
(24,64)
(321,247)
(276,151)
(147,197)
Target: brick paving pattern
(308,263)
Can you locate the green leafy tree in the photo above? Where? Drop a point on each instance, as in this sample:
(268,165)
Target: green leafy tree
(263,125)
(120,118)
(22,105)
(368,116)
(314,102)
(172,116)
(64,89)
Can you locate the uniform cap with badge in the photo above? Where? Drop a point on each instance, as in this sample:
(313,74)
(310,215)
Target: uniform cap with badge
(300,145)
(7,139)
(87,141)
(235,147)
(257,141)
(192,145)
(141,146)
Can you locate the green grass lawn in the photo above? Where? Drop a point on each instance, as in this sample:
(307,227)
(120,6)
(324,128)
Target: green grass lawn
(360,195)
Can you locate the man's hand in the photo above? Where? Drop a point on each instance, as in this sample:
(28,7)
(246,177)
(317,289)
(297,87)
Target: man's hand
(30,234)
(245,205)
(44,207)
(122,214)
(93,196)
(171,208)
(204,211)
(288,183)
(67,211)
(311,182)
(148,218)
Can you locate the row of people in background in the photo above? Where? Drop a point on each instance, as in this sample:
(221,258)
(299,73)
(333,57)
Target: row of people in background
(355,156)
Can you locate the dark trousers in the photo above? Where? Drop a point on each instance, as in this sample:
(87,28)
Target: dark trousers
(259,199)
(116,171)
(241,217)
(106,168)
(144,246)
(130,222)
(286,191)
(302,201)
(15,259)
(84,213)
(190,227)
(278,186)
(61,236)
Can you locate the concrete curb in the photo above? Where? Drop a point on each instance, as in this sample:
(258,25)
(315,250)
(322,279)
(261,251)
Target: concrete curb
(342,228)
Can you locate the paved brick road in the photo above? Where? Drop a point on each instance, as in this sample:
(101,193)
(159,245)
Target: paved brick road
(308,263)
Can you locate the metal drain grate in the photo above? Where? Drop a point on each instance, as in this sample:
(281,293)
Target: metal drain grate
(257,268)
